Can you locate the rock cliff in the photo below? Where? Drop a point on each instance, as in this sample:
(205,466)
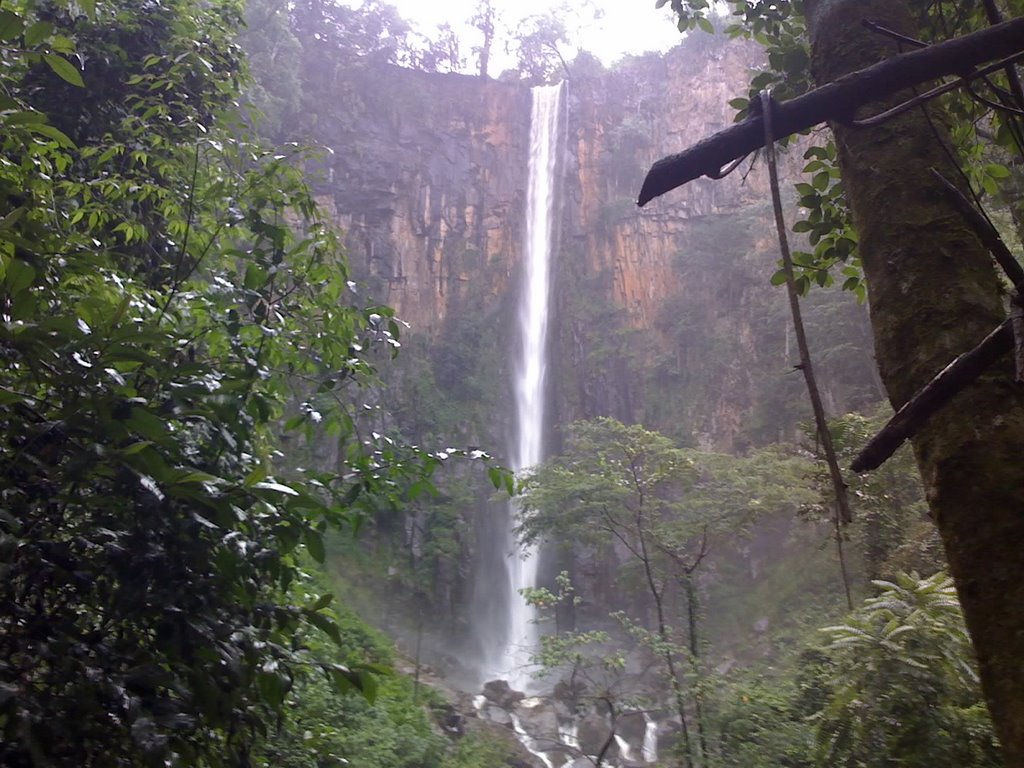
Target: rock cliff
(663,314)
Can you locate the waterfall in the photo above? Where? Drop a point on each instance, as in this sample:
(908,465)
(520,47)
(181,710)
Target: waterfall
(625,751)
(529,742)
(650,748)
(512,659)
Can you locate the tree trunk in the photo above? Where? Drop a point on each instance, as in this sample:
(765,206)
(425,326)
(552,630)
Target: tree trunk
(692,611)
(934,293)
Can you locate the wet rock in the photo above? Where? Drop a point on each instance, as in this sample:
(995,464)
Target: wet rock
(569,693)
(518,755)
(631,726)
(539,719)
(452,721)
(594,731)
(496,714)
(502,694)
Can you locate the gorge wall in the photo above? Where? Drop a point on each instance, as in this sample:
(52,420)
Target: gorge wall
(662,315)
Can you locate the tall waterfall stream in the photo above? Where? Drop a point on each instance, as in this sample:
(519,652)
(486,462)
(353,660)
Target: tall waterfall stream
(511,660)
(557,746)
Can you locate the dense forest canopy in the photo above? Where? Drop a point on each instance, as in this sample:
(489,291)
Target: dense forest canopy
(214,457)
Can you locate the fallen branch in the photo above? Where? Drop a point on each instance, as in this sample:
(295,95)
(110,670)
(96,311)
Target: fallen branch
(935,394)
(838,100)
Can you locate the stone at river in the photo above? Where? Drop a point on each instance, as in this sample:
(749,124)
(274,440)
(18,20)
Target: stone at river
(631,726)
(594,731)
(517,755)
(502,694)
(539,719)
(495,714)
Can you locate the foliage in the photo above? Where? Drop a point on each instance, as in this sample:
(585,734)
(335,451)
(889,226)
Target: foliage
(894,684)
(568,652)
(758,725)
(537,43)
(325,726)
(903,689)
(484,19)
(886,503)
(167,288)
(609,473)
(477,751)
(985,139)
(273,52)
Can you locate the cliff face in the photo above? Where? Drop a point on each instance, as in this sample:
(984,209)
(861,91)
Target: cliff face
(427,178)
(622,121)
(662,314)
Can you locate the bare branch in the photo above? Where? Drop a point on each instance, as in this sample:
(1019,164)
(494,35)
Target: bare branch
(939,391)
(838,100)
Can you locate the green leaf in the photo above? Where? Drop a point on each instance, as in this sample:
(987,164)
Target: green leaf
(25,117)
(64,69)
(38,32)
(11,218)
(368,685)
(136,447)
(11,25)
(147,424)
(255,277)
(273,687)
(19,276)
(256,476)
(278,487)
(326,625)
(7,397)
(997,171)
(53,133)
(320,603)
(314,544)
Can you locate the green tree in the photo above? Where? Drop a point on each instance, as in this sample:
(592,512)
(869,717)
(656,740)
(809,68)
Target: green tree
(273,53)
(592,670)
(537,43)
(166,288)
(619,487)
(902,685)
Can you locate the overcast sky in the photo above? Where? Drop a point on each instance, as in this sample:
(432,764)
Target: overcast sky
(625,26)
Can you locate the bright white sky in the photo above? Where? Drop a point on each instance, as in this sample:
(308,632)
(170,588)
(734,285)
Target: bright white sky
(626,26)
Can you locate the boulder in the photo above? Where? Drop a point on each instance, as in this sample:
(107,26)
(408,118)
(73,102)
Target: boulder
(631,726)
(594,731)
(496,714)
(502,694)
(539,719)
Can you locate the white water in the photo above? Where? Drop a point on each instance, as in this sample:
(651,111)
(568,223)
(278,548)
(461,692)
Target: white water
(529,742)
(650,748)
(569,735)
(625,751)
(512,661)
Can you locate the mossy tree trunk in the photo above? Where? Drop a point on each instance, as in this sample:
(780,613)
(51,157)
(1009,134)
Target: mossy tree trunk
(934,293)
